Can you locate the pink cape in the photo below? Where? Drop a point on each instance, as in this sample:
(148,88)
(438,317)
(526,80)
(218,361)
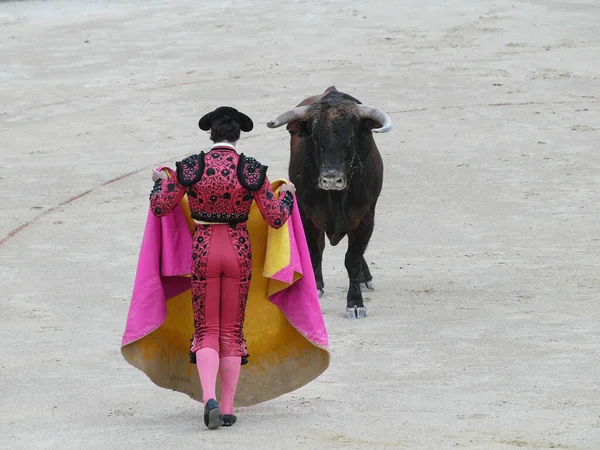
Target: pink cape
(162,284)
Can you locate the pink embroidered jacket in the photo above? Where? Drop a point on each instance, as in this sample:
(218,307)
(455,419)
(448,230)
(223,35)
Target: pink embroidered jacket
(221,186)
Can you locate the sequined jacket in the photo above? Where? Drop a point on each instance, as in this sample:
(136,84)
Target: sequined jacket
(221,186)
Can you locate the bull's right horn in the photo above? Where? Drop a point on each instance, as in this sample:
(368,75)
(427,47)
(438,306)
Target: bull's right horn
(298,113)
(367,112)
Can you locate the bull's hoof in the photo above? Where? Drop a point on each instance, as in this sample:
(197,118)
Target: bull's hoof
(368,285)
(356,312)
(321,292)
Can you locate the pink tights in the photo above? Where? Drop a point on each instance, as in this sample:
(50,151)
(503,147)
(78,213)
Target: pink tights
(228,367)
(230,373)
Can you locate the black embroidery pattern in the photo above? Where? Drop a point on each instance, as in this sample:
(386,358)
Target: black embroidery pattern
(251,173)
(275,211)
(217,197)
(164,196)
(156,188)
(288,201)
(202,236)
(189,170)
(241,244)
(219,194)
(220,217)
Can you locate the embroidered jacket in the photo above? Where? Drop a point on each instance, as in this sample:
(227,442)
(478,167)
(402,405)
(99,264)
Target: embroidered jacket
(221,186)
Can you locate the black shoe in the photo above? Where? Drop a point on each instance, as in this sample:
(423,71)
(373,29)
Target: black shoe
(228,419)
(212,415)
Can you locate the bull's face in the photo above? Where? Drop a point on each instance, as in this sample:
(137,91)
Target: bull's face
(333,137)
(334,128)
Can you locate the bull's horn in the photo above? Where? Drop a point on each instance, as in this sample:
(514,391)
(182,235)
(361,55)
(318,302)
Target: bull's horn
(367,112)
(298,113)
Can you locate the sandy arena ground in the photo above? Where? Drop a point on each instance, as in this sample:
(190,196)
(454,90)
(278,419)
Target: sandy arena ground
(484,329)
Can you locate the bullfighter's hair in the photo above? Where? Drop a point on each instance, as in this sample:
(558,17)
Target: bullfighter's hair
(225,129)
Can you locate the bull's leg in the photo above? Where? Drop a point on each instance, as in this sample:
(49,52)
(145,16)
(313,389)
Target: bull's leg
(315,239)
(366,279)
(358,239)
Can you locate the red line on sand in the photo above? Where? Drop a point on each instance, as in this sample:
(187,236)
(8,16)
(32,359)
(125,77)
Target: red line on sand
(66,202)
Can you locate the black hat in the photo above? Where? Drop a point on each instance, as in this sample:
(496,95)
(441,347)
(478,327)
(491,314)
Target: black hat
(207,120)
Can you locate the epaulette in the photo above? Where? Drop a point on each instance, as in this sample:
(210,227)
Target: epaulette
(251,173)
(190,170)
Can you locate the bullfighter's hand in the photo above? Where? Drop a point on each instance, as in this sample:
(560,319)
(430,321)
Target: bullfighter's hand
(289,187)
(157,175)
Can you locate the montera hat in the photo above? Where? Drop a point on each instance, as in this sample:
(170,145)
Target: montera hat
(207,120)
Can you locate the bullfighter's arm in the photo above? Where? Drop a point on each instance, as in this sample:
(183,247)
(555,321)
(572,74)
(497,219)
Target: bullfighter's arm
(166,194)
(274,210)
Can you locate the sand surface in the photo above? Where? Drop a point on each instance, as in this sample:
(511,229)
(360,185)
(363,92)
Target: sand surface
(483,331)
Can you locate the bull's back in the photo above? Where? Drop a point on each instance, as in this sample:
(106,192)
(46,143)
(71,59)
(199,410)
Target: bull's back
(315,98)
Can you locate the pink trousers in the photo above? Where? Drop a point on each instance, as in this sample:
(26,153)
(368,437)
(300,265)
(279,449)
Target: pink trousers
(221,272)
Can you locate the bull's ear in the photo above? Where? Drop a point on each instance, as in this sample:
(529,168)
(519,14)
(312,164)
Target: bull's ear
(369,124)
(297,128)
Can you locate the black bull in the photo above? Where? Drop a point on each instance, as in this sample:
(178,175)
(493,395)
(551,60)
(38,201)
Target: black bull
(338,173)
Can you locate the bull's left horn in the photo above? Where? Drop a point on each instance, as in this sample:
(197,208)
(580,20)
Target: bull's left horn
(367,112)
(298,113)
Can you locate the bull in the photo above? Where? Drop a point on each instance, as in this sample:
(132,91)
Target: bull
(338,173)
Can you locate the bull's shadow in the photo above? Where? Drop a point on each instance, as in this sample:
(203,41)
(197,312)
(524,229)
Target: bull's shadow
(338,173)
